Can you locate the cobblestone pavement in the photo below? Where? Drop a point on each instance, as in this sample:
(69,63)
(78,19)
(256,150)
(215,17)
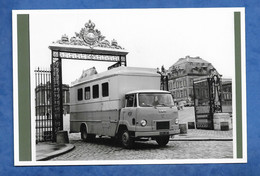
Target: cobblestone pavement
(107,149)
(195,133)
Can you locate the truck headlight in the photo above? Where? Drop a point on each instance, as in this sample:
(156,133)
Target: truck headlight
(143,122)
(176,121)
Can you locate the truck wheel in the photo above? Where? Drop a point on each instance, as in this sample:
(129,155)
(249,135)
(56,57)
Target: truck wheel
(87,137)
(162,141)
(84,134)
(126,140)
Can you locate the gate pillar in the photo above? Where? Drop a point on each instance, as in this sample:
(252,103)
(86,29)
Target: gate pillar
(57,102)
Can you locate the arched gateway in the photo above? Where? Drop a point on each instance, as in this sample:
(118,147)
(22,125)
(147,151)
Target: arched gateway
(88,44)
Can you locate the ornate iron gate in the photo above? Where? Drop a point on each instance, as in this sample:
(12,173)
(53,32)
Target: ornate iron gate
(43,105)
(207,100)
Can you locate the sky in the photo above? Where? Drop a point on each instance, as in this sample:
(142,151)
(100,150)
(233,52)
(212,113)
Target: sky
(153,37)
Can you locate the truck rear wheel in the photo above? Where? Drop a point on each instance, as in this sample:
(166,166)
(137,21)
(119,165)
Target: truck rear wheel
(126,140)
(85,136)
(162,141)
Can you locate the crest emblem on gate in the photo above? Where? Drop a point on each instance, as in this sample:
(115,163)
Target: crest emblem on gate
(90,36)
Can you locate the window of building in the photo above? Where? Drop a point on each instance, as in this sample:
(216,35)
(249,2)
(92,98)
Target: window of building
(67,97)
(105,90)
(95,91)
(191,92)
(204,93)
(185,93)
(181,94)
(197,92)
(191,82)
(87,93)
(184,83)
(170,85)
(80,94)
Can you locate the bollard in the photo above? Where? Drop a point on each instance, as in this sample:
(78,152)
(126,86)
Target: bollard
(224,126)
(62,137)
(183,128)
(191,125)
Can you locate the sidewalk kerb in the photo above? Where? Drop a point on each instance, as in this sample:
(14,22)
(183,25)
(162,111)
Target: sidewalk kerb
(202,139)
(48,156)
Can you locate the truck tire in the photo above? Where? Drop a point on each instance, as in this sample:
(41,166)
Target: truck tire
(126,140)
(84,134)
(162,141)
(87,137)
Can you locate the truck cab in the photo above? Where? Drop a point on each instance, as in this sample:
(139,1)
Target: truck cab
(148,114)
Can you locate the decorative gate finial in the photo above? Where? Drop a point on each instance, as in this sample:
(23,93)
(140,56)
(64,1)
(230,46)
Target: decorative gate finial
(90,25)
(89,36)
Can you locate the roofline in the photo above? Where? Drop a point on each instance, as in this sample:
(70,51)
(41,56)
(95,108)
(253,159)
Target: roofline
(129,71)
(148,91)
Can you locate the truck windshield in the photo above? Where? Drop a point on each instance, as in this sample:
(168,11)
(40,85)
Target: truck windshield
(155,99)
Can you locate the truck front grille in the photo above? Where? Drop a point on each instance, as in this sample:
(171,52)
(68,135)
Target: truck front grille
(163,125)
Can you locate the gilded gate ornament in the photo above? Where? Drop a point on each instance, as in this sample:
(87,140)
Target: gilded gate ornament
(89,36)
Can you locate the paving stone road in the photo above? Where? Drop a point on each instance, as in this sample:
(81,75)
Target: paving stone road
(107,149)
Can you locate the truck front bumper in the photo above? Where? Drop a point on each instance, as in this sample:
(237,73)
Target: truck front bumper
(156,133)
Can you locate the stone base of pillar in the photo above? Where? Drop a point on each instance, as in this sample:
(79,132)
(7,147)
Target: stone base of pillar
(191,125)
(222,121)
(62,137)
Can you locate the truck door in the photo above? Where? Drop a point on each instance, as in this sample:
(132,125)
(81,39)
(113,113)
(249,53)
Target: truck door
(129,112)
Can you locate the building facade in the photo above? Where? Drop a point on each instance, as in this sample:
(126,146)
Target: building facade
(181,75)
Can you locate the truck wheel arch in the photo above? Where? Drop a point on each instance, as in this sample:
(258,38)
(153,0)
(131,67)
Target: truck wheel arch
(84,126)
(121,128)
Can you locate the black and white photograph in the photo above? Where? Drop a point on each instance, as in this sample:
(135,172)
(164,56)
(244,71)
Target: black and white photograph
(133,86)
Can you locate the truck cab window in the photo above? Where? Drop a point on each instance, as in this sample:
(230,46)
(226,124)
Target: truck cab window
(130,100)
(80,94)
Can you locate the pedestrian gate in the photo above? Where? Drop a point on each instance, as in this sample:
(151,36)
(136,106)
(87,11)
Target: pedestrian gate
(43,105)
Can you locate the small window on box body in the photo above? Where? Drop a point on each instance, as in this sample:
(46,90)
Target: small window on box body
(80,94)
(105,90)
(95,91)
(87,93)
